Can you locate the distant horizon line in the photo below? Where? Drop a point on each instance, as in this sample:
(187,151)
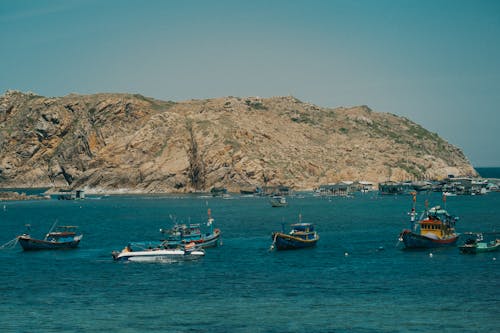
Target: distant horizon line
(486,167)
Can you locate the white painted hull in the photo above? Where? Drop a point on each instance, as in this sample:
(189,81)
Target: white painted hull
(165,255)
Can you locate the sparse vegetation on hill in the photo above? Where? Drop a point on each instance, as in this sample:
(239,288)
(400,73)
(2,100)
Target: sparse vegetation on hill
(121,141)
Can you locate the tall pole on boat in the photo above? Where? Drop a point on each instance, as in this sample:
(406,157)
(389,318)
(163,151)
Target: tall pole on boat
(210,220)
(413,212)
(50,230)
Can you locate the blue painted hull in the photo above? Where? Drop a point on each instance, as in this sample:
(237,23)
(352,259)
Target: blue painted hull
(415,241)
(287,242)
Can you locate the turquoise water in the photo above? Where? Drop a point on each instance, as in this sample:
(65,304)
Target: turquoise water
(241,286)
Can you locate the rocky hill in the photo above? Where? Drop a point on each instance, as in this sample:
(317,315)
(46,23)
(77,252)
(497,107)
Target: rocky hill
(113,142)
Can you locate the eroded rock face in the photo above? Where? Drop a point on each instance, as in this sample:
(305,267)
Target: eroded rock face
(129,142)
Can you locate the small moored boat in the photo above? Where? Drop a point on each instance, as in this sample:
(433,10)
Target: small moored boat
(301,235)
(59,237)
(278,201)
(181,234)
(478,245)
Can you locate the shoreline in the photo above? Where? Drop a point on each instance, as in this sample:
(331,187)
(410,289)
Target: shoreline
(41,193)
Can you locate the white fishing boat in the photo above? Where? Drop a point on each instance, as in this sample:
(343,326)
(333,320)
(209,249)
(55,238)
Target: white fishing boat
(278,201)
(188,252)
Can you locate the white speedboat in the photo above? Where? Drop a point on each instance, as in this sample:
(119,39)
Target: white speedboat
(159,254)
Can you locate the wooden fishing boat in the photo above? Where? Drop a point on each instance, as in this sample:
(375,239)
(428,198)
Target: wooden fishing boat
(63,237)
(435,228)
(478,245)
(181,253)
(181,234)
(301,235)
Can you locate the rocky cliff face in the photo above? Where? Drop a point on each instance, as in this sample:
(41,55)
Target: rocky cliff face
(128,142)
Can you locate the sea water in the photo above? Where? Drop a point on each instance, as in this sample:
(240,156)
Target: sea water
(491,172)
(357,279)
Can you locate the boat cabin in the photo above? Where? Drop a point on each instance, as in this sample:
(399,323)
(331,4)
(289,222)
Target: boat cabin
(183,232)
(63,233)
(434,227)
(303,230)
(438,223)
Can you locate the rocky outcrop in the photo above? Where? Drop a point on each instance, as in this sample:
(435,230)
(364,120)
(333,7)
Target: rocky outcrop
(113,142)
(15,196)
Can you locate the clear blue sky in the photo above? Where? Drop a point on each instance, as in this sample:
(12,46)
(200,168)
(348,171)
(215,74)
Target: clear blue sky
(436,62)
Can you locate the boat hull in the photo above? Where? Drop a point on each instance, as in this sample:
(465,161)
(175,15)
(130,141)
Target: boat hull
(416,241)
(286,242)
(166,255)
(211,240)
(32,244)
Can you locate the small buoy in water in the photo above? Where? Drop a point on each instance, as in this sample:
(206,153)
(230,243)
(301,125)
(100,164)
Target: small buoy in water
(346,254)
(431,255)
(380,248)
(494,258)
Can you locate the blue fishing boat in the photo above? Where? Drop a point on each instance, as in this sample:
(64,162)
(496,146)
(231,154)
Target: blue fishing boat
(301,235)
(58,237)
(186,233)
(434,228)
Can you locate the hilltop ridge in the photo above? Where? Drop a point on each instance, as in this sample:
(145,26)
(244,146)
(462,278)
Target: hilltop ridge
(110,142)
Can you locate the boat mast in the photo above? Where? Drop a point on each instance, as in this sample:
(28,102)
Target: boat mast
(210,221)
(413,212)
(50,230)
